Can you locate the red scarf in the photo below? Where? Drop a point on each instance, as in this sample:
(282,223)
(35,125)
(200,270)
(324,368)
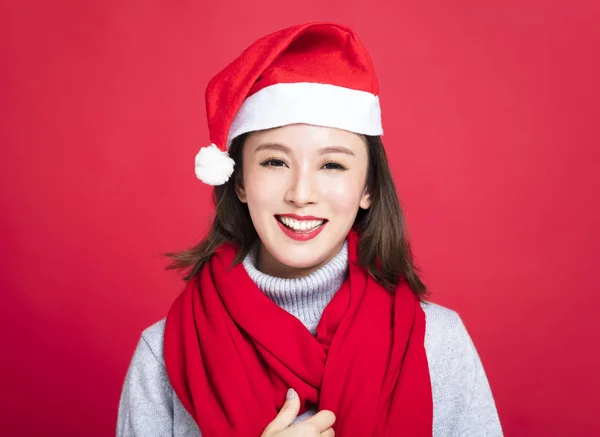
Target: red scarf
(231,354)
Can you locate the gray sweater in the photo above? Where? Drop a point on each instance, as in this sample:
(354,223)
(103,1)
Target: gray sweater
(463,404)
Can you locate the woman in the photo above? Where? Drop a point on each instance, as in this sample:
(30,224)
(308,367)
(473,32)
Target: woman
(303,313)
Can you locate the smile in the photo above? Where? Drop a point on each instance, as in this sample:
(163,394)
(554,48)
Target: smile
(300,225)
(301,228)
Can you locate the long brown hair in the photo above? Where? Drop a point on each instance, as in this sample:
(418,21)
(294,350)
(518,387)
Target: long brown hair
(382,228)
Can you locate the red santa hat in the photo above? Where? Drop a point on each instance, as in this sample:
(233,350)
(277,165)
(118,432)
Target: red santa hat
(315,73)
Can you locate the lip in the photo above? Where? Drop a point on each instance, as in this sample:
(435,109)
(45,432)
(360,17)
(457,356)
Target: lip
(301,217)
(300,236)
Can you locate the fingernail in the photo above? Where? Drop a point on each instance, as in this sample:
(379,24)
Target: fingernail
(291,393)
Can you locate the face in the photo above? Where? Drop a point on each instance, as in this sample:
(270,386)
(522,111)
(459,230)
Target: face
(303,185)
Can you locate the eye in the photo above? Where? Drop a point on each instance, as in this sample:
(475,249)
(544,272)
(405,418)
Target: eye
(273,162)
(334,166)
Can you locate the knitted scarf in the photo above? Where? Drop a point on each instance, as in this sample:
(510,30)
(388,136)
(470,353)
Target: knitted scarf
(231,354)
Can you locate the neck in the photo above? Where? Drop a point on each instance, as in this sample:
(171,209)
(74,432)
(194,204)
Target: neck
(269,265)
(304,297)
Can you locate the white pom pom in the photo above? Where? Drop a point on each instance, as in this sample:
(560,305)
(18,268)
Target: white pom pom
(213,166)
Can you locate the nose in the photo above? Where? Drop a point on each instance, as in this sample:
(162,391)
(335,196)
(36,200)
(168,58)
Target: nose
(302,190)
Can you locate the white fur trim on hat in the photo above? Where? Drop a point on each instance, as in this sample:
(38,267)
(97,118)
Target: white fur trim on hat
(213,165)
(319,104)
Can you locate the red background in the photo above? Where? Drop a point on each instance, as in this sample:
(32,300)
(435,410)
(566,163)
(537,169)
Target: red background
(491,124)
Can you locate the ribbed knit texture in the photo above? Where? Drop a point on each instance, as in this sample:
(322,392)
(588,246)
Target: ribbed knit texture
(306,297)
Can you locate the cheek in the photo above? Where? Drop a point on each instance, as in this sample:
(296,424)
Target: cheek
(261,191)
(342,194)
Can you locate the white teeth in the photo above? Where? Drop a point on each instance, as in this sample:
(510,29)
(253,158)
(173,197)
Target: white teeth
(300,225)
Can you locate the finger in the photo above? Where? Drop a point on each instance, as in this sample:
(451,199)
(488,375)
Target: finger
(329,432)
(322,420)
(287,414)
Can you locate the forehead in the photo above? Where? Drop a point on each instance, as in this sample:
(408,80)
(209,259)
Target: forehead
(308,138)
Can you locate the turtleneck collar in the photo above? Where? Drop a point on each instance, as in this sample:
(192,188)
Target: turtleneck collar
(306,297)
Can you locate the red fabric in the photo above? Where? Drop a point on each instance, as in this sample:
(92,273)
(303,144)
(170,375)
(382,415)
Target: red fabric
(313,52)
(231,353)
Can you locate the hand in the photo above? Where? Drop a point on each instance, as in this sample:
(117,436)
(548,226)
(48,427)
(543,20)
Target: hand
(318,425)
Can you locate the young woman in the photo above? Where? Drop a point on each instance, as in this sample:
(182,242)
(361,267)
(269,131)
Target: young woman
(303,313)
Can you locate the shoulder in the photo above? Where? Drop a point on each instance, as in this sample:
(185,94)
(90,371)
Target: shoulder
(446,336)
(153,337)
(439,315)
(440,320)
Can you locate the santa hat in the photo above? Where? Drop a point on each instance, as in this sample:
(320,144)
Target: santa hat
(315,73)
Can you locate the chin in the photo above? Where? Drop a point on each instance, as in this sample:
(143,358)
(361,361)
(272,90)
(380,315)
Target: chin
(298,259)
(294,253)
(302,255)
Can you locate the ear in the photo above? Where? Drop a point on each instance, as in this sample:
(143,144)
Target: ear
(365,200)
(240,191)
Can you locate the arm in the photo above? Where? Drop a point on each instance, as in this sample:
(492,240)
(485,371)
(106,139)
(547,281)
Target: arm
(478,417)
(146,405)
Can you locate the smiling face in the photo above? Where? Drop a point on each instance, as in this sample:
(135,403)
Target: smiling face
(303,185)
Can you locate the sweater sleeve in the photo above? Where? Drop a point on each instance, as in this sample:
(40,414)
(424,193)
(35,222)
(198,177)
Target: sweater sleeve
(146,404)
(479,416)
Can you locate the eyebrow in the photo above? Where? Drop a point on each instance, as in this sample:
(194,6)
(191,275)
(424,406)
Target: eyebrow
(322,151)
